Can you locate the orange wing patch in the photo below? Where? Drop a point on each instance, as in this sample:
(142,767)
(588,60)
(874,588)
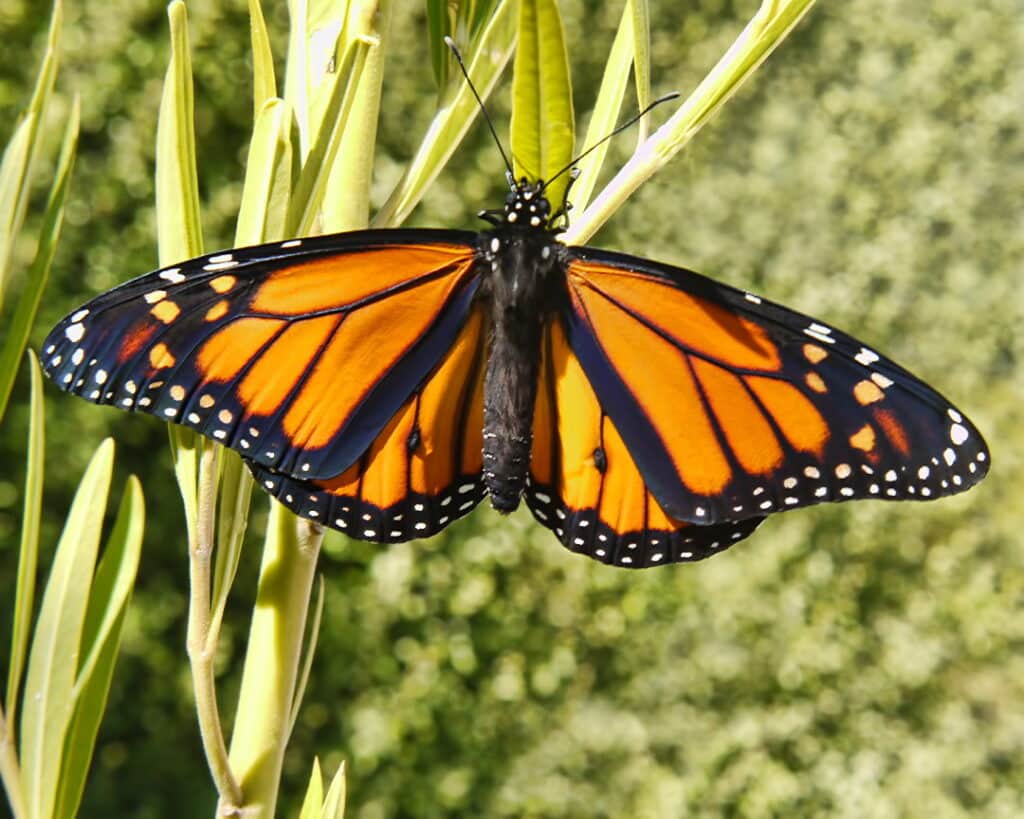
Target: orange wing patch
(421,472)
(585,486)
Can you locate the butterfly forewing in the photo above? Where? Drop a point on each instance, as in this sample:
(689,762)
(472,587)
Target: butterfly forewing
(421,472)
(733,407)
(296,354)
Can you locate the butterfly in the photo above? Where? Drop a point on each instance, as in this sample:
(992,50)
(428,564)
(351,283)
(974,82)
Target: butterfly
(383,382)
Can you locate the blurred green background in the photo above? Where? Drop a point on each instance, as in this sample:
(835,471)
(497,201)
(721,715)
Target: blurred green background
(863,660)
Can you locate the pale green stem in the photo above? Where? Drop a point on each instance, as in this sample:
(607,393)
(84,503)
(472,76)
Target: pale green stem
(10,772)
(766,30)
(202,641)
(272,661)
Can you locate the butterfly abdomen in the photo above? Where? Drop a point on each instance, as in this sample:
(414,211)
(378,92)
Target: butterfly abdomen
(517,289)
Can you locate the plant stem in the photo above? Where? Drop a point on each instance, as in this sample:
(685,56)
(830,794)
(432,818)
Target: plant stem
(267,695)
(201,641)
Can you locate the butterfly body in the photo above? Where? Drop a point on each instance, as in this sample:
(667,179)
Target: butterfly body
(384,382)
(522,285)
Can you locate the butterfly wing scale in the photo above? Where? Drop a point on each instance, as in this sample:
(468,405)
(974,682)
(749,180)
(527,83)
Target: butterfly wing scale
(296,354)
(734,407)
(585,486)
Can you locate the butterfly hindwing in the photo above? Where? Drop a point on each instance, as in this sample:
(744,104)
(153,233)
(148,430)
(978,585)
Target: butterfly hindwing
(734,407)
(294,353)
(585,486)
(421,472)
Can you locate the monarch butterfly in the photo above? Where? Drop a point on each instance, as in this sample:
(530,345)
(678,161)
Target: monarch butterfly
(382,382)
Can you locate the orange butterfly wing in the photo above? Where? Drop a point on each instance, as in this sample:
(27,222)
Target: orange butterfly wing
(584,483)
(421,472)
(733,407)
(296,354)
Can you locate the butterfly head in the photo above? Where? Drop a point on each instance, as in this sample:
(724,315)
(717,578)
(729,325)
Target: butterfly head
(527,206)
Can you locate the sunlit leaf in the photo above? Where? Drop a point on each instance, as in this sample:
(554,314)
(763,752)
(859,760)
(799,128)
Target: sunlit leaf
(20,153)
(39,272)
(312,803)
(641,59)
(53,661)
(606,110)
(28,554)
(486,61)
(542,112)
(264,83)
(101,639)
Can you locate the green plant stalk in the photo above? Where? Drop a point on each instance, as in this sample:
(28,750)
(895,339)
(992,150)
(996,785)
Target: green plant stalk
(201,641)
(765,31)
(271,670)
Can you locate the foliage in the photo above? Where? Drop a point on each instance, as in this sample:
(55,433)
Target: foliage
(862,660)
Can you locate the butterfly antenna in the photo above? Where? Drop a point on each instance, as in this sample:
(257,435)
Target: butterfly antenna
(448,41)
(617,131)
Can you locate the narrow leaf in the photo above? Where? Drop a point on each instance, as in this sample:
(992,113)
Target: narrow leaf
(39,272)
(542,113)
(28,554)
(19,156)
(309,190)
(264,83)
(438,27)
(346,200)
(485,63)
(334,804)
(606,110)
(179,233)
(52,664)
(312,804)
(268,177)
(307,660)
(766,30)
(641,60)
(101,639)
(233,516)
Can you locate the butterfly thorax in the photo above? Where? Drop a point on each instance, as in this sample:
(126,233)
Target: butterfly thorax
(521,260)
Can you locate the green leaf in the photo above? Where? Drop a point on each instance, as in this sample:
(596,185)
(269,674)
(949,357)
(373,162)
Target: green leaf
(52,664)
(101,639)
(179,233)
(28,554)
(264,83)
(765,31)
(309,190)
(233,517)
(346,200)
(316,44)
(542,113)
(312,804)
(485,62)
(28,302)
(606,110)
(334,804)
(20,153)
(439,26)
(641,59)
(268,176)
(307,660)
